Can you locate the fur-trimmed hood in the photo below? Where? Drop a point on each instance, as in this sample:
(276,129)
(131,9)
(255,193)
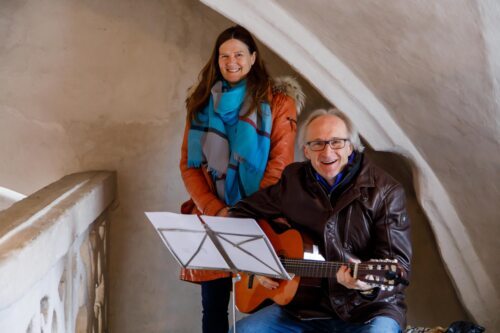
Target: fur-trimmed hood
(289,86)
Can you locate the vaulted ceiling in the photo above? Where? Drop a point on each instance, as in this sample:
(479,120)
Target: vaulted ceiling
(421,79)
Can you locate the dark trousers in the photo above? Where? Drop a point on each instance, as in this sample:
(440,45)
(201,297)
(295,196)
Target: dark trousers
(215,301)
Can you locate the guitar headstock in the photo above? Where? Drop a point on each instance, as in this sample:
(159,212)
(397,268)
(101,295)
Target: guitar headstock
(383,273)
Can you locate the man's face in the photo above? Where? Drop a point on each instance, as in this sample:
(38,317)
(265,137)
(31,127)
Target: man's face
(327,162)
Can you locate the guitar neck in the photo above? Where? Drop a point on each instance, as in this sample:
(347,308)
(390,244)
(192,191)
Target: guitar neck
(313,268)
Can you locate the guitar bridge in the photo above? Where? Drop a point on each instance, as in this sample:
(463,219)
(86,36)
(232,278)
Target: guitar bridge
(250,281)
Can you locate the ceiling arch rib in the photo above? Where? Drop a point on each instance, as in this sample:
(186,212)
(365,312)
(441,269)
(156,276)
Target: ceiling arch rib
(300,48)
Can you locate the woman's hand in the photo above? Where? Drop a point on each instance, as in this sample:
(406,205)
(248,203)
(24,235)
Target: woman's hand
(223,212)
(267,282)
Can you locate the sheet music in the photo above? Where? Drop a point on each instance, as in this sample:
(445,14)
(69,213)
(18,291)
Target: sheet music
(242,240)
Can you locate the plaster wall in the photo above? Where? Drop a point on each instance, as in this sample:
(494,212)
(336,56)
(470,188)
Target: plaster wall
(100,85)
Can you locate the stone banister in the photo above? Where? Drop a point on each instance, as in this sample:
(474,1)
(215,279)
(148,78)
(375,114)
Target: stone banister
(53,256)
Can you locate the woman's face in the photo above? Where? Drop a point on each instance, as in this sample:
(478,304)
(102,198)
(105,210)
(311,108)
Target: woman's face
(235,60)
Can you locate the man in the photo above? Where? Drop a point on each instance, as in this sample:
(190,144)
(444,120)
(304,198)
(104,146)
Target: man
(355,212)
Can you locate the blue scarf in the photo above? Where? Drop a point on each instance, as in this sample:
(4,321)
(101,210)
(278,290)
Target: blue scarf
(234,148)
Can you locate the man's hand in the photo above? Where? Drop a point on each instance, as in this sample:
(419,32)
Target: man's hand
(267,282)
(345,278)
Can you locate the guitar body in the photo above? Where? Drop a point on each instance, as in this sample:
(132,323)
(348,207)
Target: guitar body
(288,244)
(309,273)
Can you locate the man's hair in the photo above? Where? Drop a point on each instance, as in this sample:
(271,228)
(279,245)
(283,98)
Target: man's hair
(352,131)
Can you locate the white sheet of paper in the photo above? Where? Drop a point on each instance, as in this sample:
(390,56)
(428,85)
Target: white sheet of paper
(183,235)
(242,239)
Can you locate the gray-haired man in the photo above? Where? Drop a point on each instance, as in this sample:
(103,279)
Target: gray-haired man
(354,211)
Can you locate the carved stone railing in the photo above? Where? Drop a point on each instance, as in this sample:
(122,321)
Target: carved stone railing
(53,257)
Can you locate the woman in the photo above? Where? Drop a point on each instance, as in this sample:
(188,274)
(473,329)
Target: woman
(239,136)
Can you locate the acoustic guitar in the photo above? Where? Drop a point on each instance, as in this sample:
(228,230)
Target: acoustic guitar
(291,248)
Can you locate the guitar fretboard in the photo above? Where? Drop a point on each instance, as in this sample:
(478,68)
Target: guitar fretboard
(313,268)
(326,269)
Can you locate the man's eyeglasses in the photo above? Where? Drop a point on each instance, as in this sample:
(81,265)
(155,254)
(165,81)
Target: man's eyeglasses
(319,145)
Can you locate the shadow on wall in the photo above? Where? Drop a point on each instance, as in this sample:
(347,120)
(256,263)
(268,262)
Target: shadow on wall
(431,299)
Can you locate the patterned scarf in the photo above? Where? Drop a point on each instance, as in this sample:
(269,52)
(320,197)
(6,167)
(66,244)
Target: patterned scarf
(234,148)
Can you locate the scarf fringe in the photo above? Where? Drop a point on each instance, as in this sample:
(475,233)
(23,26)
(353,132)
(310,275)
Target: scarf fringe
(215,173)
(194,164)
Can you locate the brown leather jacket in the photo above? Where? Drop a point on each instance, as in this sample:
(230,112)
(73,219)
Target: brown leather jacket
(286,101)
(367,220)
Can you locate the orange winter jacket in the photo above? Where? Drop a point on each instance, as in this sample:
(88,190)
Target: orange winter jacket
(286,102)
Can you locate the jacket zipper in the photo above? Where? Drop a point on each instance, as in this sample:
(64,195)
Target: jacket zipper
(346,230)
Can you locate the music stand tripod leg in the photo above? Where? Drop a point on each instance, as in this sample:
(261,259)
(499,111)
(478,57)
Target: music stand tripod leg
(235,278)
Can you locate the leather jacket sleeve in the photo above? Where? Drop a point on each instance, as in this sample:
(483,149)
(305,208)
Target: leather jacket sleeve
(263,204)
(392,233)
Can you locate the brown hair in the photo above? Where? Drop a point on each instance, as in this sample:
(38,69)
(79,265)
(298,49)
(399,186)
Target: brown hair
(258,79)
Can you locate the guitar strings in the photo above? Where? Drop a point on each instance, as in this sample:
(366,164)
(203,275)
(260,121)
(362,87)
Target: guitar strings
(319,264)
(315,268)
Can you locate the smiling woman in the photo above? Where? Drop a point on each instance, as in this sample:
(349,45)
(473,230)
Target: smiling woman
(235,60)
(239,136)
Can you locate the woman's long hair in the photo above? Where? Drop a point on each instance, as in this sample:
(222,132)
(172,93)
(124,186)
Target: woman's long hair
(258,79)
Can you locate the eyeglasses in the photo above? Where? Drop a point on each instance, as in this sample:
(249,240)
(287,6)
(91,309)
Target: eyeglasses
(319,145)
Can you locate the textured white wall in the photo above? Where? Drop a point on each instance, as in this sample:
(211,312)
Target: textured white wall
(434,66)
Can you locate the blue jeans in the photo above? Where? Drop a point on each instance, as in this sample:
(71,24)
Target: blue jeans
(273,319)
(215,300)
